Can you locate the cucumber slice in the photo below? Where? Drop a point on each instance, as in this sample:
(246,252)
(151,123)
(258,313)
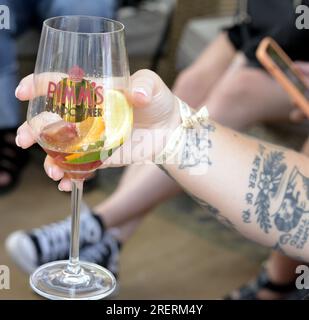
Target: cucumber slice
(92,156)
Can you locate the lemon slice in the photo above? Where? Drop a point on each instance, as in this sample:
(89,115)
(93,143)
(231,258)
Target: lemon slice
(118,116)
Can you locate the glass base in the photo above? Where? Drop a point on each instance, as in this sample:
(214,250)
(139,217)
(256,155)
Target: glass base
(89,282)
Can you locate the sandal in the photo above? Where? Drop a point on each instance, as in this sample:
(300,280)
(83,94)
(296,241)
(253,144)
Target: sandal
(250,291)
(12,160)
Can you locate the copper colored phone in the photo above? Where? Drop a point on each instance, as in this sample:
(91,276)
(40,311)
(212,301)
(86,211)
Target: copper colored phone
(282,68)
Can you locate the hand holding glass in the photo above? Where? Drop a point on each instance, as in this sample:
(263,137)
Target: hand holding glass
(79,116)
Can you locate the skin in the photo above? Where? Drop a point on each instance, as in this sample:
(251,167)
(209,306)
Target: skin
(236,166)
(214,69)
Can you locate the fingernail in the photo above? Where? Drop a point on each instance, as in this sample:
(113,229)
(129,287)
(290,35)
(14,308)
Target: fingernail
(17,90)
(17,141)
(50,172)
(141,91)
(59,187)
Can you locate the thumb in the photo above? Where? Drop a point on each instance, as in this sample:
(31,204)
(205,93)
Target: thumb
(145,85)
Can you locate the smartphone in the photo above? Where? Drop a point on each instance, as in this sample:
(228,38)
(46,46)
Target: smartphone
(282,68)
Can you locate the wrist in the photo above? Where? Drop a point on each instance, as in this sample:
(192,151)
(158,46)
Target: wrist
(183,146)
(175,118)
(167,129)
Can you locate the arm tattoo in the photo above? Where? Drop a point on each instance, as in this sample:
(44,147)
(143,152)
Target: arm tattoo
(195,150)
(265,177)
(290,217)
(204,205)
(213,211)
(270,178)
(287,216)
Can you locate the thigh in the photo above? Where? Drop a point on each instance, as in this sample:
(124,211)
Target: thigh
(246,95)
(196,82)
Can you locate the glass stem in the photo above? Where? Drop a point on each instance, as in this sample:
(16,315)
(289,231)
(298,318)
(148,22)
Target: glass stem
(76,198)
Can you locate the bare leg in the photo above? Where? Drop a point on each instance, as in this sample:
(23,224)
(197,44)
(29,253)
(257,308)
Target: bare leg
(281,268)
(135,197)
(247,95)
(194,84)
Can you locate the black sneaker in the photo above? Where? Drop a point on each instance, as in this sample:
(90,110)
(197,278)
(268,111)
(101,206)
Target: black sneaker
(52,242)
(104,253)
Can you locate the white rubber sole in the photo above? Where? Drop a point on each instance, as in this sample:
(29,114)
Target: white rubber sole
(22,251)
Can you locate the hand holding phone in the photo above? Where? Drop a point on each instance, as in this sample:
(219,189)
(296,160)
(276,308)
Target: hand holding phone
(282,68)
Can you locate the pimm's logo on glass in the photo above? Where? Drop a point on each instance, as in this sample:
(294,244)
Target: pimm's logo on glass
(74,98)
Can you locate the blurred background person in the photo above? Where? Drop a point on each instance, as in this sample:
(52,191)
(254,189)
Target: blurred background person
(23,16)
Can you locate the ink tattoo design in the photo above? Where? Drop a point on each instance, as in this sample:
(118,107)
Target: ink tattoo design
(289,218)
(265,176)
(196,147)
(213,211)
(295,202)
(270,178)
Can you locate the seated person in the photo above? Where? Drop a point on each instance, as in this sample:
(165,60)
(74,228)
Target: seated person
(238,92)
(230,166)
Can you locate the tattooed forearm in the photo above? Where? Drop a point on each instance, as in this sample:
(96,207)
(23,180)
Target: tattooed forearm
(284,211)
(267,171)
(290,218)
(205,205)
(197,144)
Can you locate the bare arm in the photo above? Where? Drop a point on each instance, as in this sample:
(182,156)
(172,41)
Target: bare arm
(260,189)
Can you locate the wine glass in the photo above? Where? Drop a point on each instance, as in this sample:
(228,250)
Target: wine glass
(79,116)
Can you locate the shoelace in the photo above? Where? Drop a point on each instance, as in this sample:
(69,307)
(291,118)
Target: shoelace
(104,253)
(54,239)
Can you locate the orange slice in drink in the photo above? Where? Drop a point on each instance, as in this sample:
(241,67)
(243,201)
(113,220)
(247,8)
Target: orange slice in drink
(90,131)
(117,125)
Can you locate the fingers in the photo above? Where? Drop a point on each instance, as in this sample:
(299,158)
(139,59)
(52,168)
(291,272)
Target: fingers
(56,173)
(145,85)
(297,116)
(65,185)
(303,67)
(52,170)
(25,89)
(24,137)
(31,87)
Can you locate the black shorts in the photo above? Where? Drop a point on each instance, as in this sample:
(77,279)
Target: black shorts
(274,18)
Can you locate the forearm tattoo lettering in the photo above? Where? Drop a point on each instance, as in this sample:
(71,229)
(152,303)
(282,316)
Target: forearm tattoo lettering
(285,211)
